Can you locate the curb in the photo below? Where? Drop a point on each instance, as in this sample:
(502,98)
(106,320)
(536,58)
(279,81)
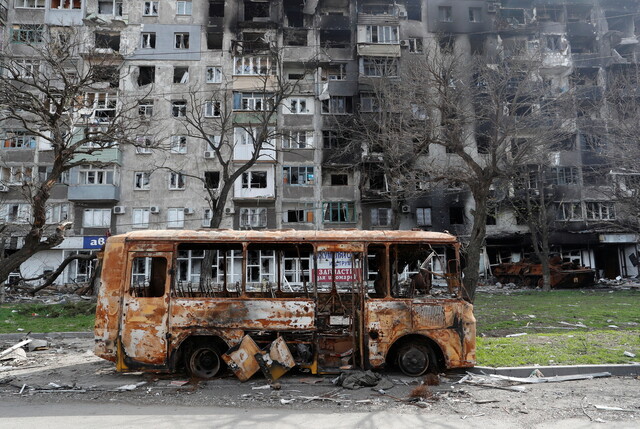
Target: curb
(44,335)
(552,371)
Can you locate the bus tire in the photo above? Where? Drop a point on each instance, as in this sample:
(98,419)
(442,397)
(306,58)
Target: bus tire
(415,359)
(203,360)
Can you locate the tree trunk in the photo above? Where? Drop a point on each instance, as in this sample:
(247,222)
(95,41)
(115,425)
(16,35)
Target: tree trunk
(473,249)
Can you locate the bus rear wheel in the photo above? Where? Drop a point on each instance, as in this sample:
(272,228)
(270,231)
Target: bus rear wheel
(415,359)
(203,361)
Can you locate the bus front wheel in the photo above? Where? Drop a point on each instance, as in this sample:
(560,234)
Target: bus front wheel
(415,359)
(203,361)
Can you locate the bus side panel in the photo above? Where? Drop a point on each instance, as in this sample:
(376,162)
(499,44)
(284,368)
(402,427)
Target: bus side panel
(238,313)
(449,323)
(108,308)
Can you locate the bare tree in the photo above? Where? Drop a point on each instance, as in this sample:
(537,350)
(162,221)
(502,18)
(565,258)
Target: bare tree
(489,117)
(58,96)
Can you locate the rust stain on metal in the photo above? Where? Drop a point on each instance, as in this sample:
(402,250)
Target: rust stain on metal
(563,274)
(241,359)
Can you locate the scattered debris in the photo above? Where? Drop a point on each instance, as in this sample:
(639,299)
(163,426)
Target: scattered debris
(516,335)
(36,345)
(485,401)
(629,354)
(15,347)
(131,386)
(422,391)
(310,380)
(265,387)
(246,359)
(15,355)
(607,408)
(432,379)
(178,383)
(357,379)
(575,325)
(286,401)
(558,378)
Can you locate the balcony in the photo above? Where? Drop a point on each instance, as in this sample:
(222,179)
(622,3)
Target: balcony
(111,155)
(379,49)
(382,19)
(334,22)
(94,193)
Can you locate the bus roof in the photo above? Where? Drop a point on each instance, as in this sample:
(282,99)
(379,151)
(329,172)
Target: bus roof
(289,235)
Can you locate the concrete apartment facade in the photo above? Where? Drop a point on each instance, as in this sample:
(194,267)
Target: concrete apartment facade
(173,55)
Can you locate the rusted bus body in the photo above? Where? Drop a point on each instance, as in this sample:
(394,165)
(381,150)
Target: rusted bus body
(338,298)
(529,273)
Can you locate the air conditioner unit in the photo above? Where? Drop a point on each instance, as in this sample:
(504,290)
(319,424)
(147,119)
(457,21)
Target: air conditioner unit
(402,14)
(491,8)
(229,210)
(405,209)
(189,211)
(404,43)
(209,154)
(4,188)
(154,209)
(119,210)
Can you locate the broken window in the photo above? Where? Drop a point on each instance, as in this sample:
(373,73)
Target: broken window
(181,40)
(339,179)
(553,42)
(66,4)
(295,37)
(445,14)
(252,101)
(414,10)
(29,4)
(145,107)
(176,181)
(477,44)
(293,12)
(331,139)
(378,66)
(214,40)
(335,38)
(108,41)
(446,43)
(337,105)
(339,212)
(212,109)
(256,10)
(27,33)
(109,74)
(415,46)
(211,179)
(148,40)
(377,181)
(565,176)
(213,74)
(381,216)
(254,180)
(146,75)
(298,175)
(297,140)
(178,109)
(150,8)
(256,218)
(475,14)
(569,211)
(180,74)
(141,180)
(252,66)
(335,72)
(301,212)
(423,216)
(456,215)
(216,9)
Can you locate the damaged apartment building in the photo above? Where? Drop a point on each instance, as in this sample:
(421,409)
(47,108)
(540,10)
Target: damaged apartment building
(174,56)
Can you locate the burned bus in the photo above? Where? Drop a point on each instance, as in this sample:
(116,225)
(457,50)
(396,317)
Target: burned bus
(328,300)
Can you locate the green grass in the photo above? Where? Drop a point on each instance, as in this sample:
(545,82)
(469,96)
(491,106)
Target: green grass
(78,316)
(612,321)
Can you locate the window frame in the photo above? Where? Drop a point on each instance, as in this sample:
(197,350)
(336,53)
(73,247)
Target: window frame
(249,214)
(141,180)
(184,8)
(177,181)
(298,175)
(248,181)
(150,8)
(345,210)
(178,144)
(177,220)
(142,213)
(181,40)
(104,214)
(213,74)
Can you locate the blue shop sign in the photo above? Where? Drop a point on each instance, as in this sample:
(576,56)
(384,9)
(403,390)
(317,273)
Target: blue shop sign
(93,242)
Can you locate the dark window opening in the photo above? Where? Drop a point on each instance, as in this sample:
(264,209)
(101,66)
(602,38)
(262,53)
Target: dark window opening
(578,13)
(293,12)
(108,41)
(491,219)
(585,76)
(254,42)
(456,215)
(180,74)
(295,37)
(446,43)
(107,74)
(483,143)
(414,10)
(335,38)
(295,76)
(214,40)
(550,13)
(376,181)
(147,75)
(256,10)
(216,9)
(477,45)
(512,16)
(211,179)
(554,43)
(339,180)
(148,277)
